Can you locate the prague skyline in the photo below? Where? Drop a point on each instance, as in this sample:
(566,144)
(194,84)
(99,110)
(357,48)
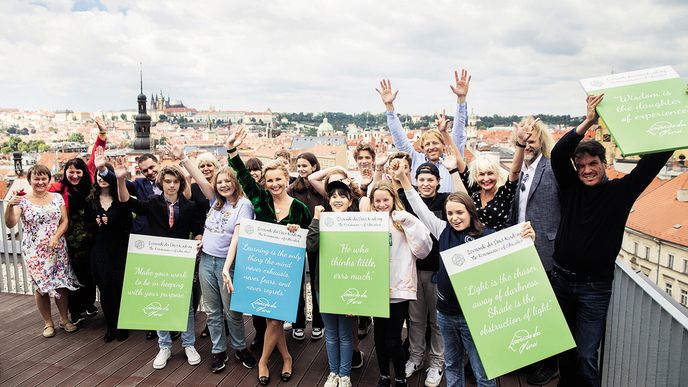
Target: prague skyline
(296,56)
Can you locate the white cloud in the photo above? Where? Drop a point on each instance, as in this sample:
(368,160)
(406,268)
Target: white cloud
(525,57)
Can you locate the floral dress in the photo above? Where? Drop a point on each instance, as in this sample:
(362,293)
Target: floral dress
(49,268)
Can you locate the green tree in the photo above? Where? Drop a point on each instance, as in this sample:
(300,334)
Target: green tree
(123,117)
(162,118)
(76,137)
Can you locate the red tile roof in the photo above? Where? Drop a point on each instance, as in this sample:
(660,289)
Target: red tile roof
(658,212)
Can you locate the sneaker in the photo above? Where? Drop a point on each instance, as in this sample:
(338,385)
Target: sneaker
(411,368)
(384,381)
(78,318)
(344,381)
(364,326)
(287,326)
(246,358)
(332,380)
(91,311)
(434,377)
(400,383)
(218,362)
(317,333)
(68,327)
(357,360)
(298,334)
(192,356)
(161,359)
(542,375)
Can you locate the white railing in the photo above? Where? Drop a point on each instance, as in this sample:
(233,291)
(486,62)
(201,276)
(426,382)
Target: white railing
(14,278)
(646,340)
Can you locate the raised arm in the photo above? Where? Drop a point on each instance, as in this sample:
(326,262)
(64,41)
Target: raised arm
(460,88)
(417,234)
(450,146)
(121,174)
(398,133)
(450,162)
(178,152)
(433,223)
(317,179)
(253,191)
(522,133)
(101,142)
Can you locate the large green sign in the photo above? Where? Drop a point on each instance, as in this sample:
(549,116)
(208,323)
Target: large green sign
(354,263)
(509,305)
(646,111)
(157,283)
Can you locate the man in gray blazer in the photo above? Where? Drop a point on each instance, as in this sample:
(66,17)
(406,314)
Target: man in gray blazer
(537,202)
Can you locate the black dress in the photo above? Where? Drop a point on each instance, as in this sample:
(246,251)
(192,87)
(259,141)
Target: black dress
(110,229)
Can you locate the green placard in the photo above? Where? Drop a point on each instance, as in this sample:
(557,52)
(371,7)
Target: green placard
(157,283)
(354,264)
(645,111)
(509,305)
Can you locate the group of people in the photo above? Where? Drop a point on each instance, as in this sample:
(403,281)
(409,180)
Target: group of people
(76,231)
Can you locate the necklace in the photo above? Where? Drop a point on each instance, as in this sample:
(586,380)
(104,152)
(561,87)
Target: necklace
(277,211)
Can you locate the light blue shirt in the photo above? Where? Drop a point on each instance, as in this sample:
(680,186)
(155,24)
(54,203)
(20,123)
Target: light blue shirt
(220,225)
(402,143)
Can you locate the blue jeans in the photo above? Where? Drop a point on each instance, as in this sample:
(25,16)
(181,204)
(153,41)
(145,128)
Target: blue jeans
(216,299)
(457,339)
(188,336)
(584,303)
(339,342)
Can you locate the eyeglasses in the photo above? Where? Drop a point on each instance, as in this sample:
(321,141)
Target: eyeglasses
(523,182)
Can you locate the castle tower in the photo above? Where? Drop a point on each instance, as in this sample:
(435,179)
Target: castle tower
(142,122)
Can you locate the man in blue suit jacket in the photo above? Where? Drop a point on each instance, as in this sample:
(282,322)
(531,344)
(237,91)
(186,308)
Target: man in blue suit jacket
(143,188)
(537,202)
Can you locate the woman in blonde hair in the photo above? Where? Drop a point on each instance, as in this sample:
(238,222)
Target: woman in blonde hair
(491,189)
(207,164)
(227,207)
(272,204)
(409,240)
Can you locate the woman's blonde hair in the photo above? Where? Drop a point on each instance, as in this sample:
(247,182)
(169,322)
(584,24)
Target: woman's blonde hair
(485,163)
(276,165)
(387,186)
(205,157)
(238,191)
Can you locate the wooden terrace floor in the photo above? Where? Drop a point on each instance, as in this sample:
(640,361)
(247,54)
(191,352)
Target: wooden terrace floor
(83,359)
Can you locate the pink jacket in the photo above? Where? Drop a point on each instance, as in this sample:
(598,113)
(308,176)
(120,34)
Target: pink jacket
(412,243)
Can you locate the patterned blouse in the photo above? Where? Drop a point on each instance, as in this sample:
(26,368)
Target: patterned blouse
(495,214)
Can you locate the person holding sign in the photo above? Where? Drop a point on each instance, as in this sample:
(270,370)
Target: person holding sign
(271,204)
(44,219)
(227,207)
(409,240)
(461,225)
(594,211)
(170,215)
(338,332)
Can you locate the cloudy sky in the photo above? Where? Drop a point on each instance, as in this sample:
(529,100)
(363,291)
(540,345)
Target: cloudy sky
(525,56)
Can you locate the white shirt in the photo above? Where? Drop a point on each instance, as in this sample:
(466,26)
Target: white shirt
(527,174)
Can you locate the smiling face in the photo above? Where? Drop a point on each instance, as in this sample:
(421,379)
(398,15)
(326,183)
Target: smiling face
(427,185)
(433,148)
(304,168)
(591,170)
(532,150)
(224,185)
(364,160)
(39,183)
(457,215)
(276,182)
(74,175)
(149,169)
(383,201)
(207,168)
(339,202)
(170,185)
(487,179)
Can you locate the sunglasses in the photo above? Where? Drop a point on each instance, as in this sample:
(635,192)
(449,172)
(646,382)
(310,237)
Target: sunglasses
(523,182)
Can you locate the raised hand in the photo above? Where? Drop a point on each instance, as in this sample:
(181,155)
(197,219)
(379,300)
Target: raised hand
(592,102)
(381,158)
(386,93)
(236,137)
(460,86)
(525,129)
(121,167)
(449,161)
(174,150)
(100,124)
(15,199)
(395,170)
(100,158)
(442,123)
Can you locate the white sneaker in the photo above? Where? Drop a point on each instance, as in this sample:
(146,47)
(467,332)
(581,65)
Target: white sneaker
(434,377)
(287,326)
(332,380)
(345,381)
(411,368)
(192,356)
(161,359)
